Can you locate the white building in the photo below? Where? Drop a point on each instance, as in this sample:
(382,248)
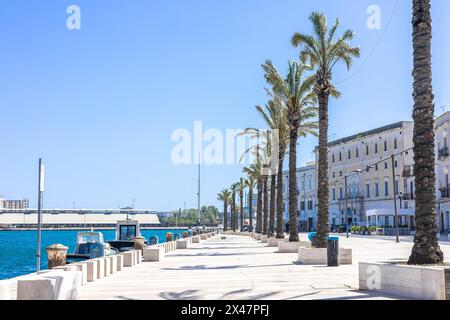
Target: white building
(372,187)
(307,197)
(14,204)
(442,128)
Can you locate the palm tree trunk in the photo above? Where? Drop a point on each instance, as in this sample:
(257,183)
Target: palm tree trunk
(280,200)
(273,190)
(225,216)
(426,248)
(233,212)
(250,209)
(241,196)
(293,205)
(266,207)
(322,190)
(259,208)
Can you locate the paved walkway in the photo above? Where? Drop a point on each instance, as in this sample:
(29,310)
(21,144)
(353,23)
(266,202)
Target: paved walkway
(242,268)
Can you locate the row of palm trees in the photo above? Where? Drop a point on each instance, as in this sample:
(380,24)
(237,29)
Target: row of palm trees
(297,99)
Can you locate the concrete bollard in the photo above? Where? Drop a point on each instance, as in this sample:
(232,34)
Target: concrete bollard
(36,289)
(100,268)
(4,290)
(128,259)
(139,243)
(81,267)
(119,262)
(154,254)
(196,239)
(92,274)
(56,254)
(203,236)
(113,263)
(107,265)
(181,244)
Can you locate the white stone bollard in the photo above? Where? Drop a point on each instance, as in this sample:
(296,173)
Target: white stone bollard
(196,239)
(264,238)
(154,254)
(36,289)
(181,244)
(203,236)
(107,265)
(4,290)
(113,263)
(128,259)
(75,267)
(119,262)
(100,268)
(92,274)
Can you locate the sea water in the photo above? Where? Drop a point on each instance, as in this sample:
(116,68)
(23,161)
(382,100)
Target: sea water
(18,248)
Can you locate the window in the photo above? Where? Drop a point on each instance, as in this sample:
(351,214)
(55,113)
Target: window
(385,165)
(357,153)
(377,193)
(376,167)
(396,187)
(310,205)
(332,157)
(340,173)
(395,163)
(334,174)
(376,148)
(385,146)
(340,156)
(386,188)
(341,195)
(302,205)
(334,194)
(368,190)
(349,154)
(395,143)
(367,150)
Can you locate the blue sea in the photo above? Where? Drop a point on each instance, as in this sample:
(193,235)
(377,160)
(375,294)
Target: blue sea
(18,248)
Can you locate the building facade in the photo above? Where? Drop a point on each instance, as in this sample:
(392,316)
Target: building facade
(377,166)
(442,133)
(14,204)
(307,197)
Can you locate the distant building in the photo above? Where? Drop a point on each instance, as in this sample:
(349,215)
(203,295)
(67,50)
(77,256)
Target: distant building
(14,204)
(442,128)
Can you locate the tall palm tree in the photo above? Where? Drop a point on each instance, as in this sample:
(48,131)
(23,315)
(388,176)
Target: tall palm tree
(295,92)
(426,248)
(225,197)
(275,115)
(323,51)
(250,184)
(266,206)
(241,187)
(234,189)
(254,170)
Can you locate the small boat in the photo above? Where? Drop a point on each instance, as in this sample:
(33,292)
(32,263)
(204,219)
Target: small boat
(90,245)
(126,231)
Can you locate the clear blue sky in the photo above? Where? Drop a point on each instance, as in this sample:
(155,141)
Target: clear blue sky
(99,104)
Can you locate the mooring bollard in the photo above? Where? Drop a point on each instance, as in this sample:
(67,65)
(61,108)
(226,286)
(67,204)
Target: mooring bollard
(185,234)
(333,251)
(56,255)
(169,236)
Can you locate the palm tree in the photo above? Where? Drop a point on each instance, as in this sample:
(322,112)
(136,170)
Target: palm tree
(254,170)
(250,184)
(234,189)
(241,187)
(295,92)
(266,205)
(273,191)
(275,115)
(225,196)
(323,51)
(426,248)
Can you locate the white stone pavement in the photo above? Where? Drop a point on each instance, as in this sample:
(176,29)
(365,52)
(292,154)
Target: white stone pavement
(242,268)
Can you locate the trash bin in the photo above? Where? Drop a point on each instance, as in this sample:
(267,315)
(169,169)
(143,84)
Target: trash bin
(333,251)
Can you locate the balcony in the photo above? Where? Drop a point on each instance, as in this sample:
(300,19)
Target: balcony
(444,153)
(408,171)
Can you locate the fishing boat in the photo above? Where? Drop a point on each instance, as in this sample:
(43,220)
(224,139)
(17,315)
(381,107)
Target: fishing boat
(90,245)
(126,231)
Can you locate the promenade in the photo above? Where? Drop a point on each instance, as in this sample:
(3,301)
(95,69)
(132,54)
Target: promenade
(242,268)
